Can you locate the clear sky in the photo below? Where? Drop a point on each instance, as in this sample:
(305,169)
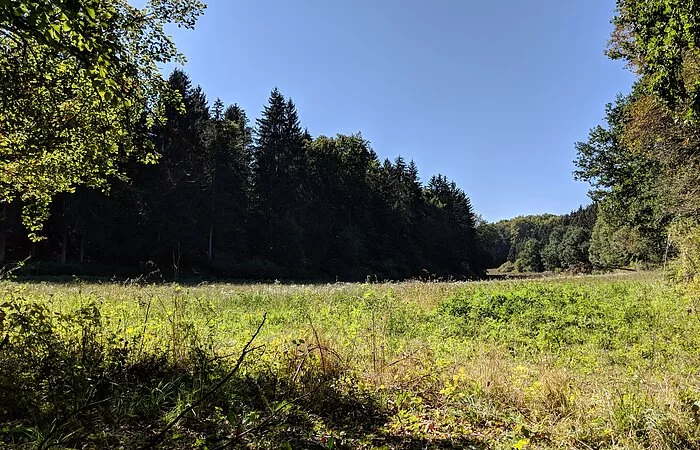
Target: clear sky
(492,94)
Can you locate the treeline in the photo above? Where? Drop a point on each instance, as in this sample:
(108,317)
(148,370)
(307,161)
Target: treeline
(643,164)
(640,193)
(267,201)
(540,242)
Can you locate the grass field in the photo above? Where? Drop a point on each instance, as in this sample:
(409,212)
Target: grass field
(586,362)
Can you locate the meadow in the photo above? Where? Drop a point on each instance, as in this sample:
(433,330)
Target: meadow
(594,362)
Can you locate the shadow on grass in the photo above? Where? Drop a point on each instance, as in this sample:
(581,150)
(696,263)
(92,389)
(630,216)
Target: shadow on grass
(324,417)
(128,409)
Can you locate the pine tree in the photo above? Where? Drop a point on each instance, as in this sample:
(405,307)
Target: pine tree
(228,145)
(451,224)
(278,178)
(176,189)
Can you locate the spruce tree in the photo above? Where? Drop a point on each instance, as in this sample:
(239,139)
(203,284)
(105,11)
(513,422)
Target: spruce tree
(278,171)
(176,189)
(228,144)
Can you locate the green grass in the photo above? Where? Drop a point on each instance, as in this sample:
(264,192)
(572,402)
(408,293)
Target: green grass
(585,362)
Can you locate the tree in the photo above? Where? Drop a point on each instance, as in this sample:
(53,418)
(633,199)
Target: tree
(283,204)
(339,223)
(627,184)
(660,39)
(278,182)
(79,89)
(551,252)
(396,208)
(613,245)
(573,249)
(529,259)
(228,161)
(562,241)
(175,189)
(494,240)
(452,231)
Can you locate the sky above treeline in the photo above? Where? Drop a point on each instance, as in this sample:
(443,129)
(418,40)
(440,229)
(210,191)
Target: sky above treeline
(493,94)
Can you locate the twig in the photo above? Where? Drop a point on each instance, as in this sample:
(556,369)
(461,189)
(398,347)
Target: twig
(145,323)
(320,347)
(219,358)
(246,350)
(300,365)
(409,356)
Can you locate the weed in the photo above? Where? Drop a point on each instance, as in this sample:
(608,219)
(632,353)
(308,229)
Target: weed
(583,362)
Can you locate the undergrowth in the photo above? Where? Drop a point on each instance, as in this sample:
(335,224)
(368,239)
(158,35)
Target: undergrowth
(588,362)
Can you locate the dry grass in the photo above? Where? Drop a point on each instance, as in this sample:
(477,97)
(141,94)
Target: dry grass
(567,362)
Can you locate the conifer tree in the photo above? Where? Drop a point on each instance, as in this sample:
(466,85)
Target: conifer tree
(176,188)
(278,171)
(228,143)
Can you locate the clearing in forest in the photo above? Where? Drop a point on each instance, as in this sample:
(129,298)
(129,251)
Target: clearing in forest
(584,362)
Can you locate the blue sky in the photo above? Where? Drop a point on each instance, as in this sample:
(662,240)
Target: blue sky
(492,94)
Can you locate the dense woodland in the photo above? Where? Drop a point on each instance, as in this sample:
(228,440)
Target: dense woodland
(231,199)
(541,242)
(643,163)
(106,163)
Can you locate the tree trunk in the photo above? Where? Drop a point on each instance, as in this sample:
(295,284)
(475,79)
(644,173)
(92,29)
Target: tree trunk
(82,248)
(211,236)
(211,214)
(3,226)
(64,246)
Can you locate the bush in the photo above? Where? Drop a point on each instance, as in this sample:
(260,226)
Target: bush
(507,267)
(71,379)
(614,246)
(685,236)
(519,265)
(529,259)
(68,378)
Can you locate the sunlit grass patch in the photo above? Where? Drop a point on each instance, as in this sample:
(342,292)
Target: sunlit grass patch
(599,362)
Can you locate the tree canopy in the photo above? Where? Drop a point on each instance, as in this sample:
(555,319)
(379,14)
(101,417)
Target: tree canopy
(644,165)
(266,201)
(79,89)
(660,39)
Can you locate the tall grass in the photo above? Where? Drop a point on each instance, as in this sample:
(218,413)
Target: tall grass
(588,362)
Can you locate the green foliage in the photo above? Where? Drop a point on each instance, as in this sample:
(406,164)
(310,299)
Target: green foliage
(228,200)
(659,38)
(614,245)
(551,257)
(529,257)
(573,248)
(451,225)
(546,316)
(627,186)
(495,242)
(685,237)
(536,243)
(555,362)
(79,86)
(624,181)
(643,164)
(506,267)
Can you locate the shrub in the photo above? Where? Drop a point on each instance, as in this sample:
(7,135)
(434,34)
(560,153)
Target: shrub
(685,236)
(529,257)
(507,267)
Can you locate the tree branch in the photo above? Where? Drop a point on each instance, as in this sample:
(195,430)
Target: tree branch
(246,350)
